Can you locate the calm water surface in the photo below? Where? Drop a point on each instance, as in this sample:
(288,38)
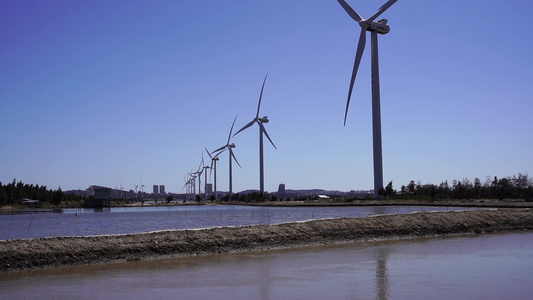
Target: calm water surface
(145,219)
(496,266)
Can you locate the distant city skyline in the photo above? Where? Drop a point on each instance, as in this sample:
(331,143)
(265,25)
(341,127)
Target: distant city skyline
(114,94)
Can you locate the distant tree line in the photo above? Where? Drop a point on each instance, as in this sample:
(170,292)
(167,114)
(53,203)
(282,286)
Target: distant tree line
(14,192)
(515,187)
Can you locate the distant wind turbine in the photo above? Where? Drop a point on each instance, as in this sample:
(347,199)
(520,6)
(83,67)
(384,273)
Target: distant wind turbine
(136,187)
(213,167)
(199,173)
(380,27)
(262,130)
(142,191)
(229,147)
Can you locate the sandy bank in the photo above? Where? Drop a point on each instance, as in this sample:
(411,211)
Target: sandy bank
(63,251)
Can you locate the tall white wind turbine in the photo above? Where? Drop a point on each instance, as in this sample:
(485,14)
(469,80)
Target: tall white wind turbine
(228,147)
(199,173)
(262,130)
(374,27)
(213,167)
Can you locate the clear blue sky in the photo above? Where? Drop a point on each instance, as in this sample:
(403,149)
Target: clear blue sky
(111,92)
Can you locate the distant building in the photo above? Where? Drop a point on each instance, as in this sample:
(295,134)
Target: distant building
(156,189)
(209,189)
(162,190)
(99,197)
(281,190)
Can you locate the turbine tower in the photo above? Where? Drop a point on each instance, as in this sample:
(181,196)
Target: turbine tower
(199,173)
(380,27)
(213,166)
(262,130)
(205,180)
(229,147)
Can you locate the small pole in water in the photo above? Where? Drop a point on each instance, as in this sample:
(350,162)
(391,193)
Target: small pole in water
(268,214)
(220,216)
(30,222)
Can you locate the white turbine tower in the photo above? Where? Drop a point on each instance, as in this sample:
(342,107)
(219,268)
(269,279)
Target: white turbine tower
(213,166)
(205,181)
(142,191)
(199,173)
(380,27)
(229,147)
(262,130)
(136,187)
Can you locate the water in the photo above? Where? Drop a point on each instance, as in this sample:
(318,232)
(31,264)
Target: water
(495,266)
(145,219)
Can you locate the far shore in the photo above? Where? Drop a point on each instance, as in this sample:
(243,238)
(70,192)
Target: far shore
(68,251)
(493,203)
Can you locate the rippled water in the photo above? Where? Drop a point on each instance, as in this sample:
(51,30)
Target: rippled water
(146,219)
(495,266)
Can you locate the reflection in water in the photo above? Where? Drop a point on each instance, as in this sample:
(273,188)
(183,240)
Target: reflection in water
(382,276)
(265,275)
(473,267)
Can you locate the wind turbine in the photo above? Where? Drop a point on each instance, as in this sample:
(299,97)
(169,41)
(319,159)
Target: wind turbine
(199,173)
(136,187)
(142,191)
(229,147)
(380,27)
(189,183)
(214,160)
(262,130)
(205,181)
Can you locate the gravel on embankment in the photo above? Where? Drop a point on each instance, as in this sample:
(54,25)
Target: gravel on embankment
(66,251)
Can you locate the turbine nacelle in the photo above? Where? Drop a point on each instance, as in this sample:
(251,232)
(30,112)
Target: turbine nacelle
(380,26)
(263,119)
(232,145)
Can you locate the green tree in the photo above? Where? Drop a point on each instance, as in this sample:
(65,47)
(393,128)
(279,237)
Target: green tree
(3,195)
(169,198)
(411,187)
(389,190)
(57,196)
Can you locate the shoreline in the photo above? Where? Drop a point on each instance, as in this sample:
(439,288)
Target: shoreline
(68,251)
(488,203)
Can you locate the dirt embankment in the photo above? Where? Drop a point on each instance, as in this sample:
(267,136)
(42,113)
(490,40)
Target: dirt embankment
(63,251)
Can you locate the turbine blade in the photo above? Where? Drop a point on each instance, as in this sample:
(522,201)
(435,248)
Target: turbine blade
(261,96)
(211,157)
(381,10)
(216,155)
(358,55)
(221,149)
(200,166)
(245,126)
(263,130)
(350,11)
(235,158)
(229,136)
